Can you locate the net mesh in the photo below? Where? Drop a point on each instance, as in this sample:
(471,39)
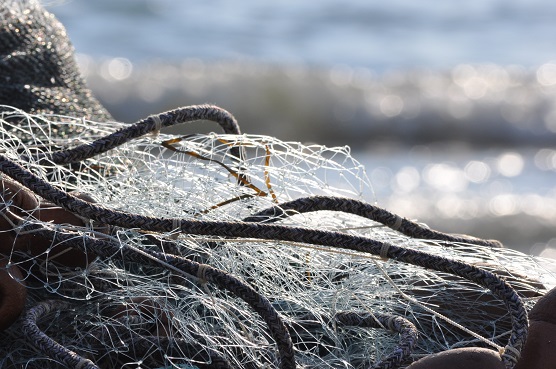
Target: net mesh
(148,250)
(341,308)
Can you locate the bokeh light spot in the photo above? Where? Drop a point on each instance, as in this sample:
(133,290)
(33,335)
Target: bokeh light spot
(503,205)
(546,74)
(445,177)
(391,105)
(117,69)
(510,164)
(407,179)
(477,171)
(545,159)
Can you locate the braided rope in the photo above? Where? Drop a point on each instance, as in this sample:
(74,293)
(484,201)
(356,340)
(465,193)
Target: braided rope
(408,331)
(408,334)
(276,232)
(150,124)
(47,345)
(223,280)
(363,209)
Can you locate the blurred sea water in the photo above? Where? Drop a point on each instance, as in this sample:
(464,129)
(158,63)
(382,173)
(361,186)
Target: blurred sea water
(451,106)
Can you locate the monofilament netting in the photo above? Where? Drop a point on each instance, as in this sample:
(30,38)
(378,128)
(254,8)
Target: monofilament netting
(236,251)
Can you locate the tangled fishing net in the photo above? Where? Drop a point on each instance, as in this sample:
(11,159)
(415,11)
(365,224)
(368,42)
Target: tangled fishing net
(122,247)
(238,251)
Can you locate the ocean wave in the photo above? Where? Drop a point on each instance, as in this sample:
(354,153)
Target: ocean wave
(482,105)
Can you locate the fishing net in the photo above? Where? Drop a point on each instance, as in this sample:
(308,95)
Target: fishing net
(234,251)
(123,247)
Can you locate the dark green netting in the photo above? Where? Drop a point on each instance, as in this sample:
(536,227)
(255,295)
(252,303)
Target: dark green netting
(38,72)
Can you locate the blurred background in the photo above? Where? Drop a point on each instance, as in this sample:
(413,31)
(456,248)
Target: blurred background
(451,106)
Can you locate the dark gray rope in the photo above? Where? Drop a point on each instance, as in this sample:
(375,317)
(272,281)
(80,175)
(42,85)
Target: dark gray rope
(406,329)
(150,124)
(363,209)
(284,233)
(46,344)
(223,280)
(104,248)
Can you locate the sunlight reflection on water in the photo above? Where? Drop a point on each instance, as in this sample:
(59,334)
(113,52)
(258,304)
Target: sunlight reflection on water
(495,193)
